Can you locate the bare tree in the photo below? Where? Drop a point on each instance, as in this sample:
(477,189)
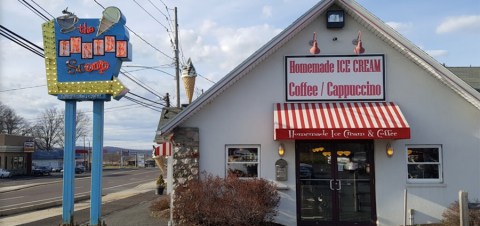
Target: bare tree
(48,129)
(82,122)
(2,124)
(11,123)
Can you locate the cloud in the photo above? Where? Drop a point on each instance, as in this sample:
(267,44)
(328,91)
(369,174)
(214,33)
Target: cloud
(221,48)
(461,23)
(267,11)
(400,27)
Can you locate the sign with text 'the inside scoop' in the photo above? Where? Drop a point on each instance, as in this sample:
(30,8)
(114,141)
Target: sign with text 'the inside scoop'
(83,56)
(335,78)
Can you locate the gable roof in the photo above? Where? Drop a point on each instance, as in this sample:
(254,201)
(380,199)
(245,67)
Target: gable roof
(362,16)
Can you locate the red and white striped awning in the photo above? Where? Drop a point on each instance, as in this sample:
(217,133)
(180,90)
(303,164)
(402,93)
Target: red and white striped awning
(163,149)
(350,120)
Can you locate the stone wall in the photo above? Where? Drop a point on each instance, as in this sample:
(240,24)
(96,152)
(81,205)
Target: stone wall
(185,155)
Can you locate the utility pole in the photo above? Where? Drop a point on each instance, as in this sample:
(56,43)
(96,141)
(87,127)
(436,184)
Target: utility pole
(177,67)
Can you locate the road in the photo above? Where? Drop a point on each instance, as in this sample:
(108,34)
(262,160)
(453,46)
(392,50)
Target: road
(48,189)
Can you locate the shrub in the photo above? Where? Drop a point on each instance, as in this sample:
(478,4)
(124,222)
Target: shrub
(451,216)
(160,181)
(230,201)
(160,207)
(161,203)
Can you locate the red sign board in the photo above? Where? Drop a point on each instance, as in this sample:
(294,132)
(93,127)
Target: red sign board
(339,134)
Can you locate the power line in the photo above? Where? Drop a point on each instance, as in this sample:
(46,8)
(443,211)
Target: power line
(206,78)
(143,85)
(43,9)
(142,104)
(128,106)
(167,16)
(99,4)
(147,68)
(21,88)
(146,99)
(12,36)
(20,43)
(34,10)
(166,8)
(24,39)
(166,28)
(148,43)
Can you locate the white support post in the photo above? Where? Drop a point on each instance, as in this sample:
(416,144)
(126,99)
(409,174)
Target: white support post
(463,206)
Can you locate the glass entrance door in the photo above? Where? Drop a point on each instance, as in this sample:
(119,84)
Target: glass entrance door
(335,183)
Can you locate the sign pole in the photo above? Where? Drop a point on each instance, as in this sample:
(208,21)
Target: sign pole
(69,163)
(96,182)
(83,59)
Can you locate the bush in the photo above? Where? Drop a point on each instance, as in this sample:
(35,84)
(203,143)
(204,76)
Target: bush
(161,203)
(230,202)
(160,181)
(160,207)
(451,216)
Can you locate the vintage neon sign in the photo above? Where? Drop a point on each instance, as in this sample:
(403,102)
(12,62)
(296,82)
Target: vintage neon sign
(83,56)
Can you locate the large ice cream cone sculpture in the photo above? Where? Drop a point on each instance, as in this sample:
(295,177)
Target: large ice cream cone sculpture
(188,76)
(160,163)
(111,16)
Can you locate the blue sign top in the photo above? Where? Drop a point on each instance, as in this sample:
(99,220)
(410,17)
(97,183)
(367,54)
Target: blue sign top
(91,49)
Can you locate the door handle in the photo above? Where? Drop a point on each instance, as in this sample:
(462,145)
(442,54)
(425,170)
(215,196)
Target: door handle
(339,185)
(331,185)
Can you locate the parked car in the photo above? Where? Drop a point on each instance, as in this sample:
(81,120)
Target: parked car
(40,171)
(5,173)
(57,169)
(78,169)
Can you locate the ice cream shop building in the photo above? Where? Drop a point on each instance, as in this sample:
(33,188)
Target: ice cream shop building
(372,131)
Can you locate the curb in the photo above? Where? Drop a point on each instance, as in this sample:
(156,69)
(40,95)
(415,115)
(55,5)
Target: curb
(19,187)
(41,206)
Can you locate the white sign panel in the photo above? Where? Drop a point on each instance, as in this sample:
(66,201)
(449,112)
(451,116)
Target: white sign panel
(140,160)
(335,78)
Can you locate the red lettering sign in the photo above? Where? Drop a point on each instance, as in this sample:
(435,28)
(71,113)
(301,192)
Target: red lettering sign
(73,68)
(98,48)
(75,44)
(87,52)
(109,44)
(339,134)
(121,49)
(64,48)
(84,29)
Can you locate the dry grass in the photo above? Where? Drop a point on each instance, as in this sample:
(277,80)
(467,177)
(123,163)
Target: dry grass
(160,207)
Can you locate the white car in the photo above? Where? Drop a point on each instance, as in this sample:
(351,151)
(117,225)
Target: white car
(5,173)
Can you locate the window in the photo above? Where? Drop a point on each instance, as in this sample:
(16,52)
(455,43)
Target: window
(17,162)
(243,160)
(424,164)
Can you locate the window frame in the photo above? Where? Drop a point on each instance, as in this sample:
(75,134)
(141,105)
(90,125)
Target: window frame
(238,146)
(438,180)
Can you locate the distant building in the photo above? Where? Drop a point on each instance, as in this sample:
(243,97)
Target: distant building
(54,158)
(471,75)
(50,159)
(16,153)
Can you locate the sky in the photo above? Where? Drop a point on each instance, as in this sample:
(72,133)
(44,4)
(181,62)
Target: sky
(216,35)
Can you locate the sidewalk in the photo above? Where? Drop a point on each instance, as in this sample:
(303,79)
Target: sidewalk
(138,215)
(128,207)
